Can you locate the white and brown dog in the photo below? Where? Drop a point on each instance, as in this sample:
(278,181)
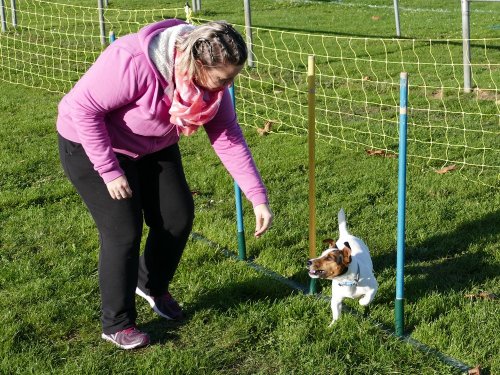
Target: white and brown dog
(348,264)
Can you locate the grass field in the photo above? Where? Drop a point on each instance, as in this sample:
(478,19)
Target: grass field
(240,320)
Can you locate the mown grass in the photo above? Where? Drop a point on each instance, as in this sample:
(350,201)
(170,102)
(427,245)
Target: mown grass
(241,321)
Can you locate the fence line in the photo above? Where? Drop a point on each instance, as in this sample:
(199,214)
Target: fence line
(356,89)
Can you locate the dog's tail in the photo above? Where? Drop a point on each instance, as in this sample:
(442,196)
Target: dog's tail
(342,223)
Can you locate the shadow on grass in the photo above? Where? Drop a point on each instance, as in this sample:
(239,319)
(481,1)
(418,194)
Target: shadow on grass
(222,299)
(162,331)
(219,300)
(445,263)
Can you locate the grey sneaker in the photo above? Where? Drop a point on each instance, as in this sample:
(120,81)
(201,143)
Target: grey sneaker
(130,338)
(165,305)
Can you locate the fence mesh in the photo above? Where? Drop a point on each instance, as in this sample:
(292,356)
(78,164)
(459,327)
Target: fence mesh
(357,82)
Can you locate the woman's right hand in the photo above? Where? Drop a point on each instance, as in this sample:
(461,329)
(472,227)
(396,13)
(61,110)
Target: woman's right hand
(263,219)
(119,188)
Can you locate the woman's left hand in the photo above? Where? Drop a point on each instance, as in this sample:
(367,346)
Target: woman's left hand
(263,219)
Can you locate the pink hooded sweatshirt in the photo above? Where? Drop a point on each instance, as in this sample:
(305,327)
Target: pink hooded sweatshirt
(119,105)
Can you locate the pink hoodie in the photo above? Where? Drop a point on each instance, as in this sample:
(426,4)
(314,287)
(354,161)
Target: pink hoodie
(119,105)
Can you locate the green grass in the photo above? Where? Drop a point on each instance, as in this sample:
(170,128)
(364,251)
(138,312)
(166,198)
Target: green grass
(241,321)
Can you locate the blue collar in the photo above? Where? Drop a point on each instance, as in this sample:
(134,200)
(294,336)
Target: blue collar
(351,282)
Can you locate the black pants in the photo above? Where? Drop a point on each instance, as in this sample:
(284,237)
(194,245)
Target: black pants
(161,198)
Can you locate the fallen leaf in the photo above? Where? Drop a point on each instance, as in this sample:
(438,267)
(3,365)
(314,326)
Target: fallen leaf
(366,78)
(267,128)
(488,296)
(438,94)
(380,153)
(447,169)
(482,295)
(486,94)
(375,18)
(475,371)
(375,152)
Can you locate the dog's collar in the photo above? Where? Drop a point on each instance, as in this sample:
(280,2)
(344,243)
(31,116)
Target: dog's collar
(351,282)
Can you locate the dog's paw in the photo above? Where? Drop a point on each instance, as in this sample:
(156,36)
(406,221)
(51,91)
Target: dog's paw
(366,299)
(332,324)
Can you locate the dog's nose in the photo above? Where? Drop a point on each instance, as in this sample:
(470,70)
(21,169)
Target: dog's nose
(309,263)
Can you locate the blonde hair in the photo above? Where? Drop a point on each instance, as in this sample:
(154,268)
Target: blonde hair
(212,44)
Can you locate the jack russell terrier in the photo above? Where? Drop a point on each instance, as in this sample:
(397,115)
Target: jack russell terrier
(348,264)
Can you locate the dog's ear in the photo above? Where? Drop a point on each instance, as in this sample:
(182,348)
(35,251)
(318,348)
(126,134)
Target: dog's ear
(346,252)
(330,242)
(346,244)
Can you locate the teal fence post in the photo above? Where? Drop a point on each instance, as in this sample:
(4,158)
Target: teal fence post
(239,206)
(399,302)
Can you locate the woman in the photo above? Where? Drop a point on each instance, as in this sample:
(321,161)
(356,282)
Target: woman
(119,129)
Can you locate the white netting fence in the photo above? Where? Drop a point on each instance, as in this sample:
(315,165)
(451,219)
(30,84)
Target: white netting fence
(54,44)
(357,91)
(357,82)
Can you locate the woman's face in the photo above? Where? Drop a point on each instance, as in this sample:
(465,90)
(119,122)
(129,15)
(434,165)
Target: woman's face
(217,78)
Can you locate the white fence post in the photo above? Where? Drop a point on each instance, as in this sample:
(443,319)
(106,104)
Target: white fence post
(248,27)
(466,45)
(102,28)
(3,21)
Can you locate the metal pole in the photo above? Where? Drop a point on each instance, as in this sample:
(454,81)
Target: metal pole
(195,6)
(3,20)
(248,30)
(14,13)
(311,104)
(466,45)
(102,27)
(396,15)
(189,13)
(400,261)
(198,4)
(239,206)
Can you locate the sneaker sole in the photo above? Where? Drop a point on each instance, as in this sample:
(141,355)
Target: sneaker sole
(152,303)
(126,347)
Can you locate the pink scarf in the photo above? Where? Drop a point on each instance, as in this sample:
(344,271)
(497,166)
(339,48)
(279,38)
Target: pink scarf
(192,106)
